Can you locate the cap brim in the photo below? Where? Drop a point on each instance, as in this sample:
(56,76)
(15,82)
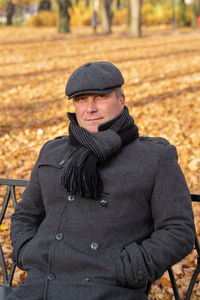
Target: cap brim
(95,92)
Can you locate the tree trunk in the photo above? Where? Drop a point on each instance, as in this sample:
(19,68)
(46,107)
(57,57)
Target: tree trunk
(53,5)
(196,12)
(106,16)
(45,5)
(182,8)
(129,13)
(116,4)
(9,12)
(135,18)
(87,3)
(63,16)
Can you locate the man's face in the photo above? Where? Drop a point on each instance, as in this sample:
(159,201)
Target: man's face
(93,110)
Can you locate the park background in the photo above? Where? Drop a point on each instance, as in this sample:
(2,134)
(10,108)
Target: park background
(156,45)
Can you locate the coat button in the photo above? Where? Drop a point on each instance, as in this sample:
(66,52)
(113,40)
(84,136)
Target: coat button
(86,280)
(71,198)
(104,203)
(94,246)
(61,163)
(51,276)
(59,236)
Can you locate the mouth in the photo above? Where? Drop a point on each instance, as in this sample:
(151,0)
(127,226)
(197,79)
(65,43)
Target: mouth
(94,119)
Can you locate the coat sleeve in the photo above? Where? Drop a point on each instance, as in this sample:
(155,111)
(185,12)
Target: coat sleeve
(173,236)
(28,215)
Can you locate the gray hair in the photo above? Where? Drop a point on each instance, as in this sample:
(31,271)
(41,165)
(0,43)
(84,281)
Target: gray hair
(119,92)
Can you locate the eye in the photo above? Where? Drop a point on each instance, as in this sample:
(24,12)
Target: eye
(101,96)
(80,98)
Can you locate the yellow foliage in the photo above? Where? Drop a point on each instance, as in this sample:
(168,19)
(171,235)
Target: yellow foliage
(44,18)
(80,15)
(3,227)
(162,14)
(154,15)
(19,2)
(188,15)
(120,17)
(151,15)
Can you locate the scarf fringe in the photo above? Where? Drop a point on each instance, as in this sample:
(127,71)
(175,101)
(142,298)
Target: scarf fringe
(89,183)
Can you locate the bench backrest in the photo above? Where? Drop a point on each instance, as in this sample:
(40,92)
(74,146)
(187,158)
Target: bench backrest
(195,198)
(10,196)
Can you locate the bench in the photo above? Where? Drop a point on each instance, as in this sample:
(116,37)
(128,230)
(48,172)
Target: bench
(10,196)
(9,199)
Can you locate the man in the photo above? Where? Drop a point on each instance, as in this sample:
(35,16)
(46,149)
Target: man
(105,210)
(94,21)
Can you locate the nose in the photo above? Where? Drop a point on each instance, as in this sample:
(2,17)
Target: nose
(91,105)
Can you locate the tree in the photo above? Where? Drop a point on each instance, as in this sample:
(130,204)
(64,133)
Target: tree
(10,9)
(63,16)
(106,16)
(135,18)
(45,5)
(182,10)
(117,4)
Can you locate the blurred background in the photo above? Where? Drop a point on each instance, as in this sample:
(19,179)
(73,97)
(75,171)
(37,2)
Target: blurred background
(66,13)
(156,45)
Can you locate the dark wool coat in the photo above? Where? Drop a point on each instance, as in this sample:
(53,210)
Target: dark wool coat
(81,249)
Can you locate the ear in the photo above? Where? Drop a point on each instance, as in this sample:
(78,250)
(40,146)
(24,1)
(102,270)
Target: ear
(122,100)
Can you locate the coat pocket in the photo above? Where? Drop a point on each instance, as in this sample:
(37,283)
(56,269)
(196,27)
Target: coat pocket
(30,253)
(119,268)
(21,253)
(124,271)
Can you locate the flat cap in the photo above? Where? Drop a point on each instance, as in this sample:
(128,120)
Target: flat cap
(94,78)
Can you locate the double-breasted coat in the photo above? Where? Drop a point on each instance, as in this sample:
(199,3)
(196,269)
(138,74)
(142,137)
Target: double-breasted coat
(80,249)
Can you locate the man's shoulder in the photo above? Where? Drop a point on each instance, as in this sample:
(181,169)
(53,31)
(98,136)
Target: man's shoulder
(61,137)
(56,144)
(160,141)
(54,152)
(153,146)
(57,141)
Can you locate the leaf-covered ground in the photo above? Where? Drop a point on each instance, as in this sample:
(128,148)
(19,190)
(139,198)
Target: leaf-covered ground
(162,86)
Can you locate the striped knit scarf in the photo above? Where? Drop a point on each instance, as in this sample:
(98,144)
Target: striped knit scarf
(80,175)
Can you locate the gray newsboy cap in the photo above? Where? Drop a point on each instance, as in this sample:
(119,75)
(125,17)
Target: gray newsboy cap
(94,78)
